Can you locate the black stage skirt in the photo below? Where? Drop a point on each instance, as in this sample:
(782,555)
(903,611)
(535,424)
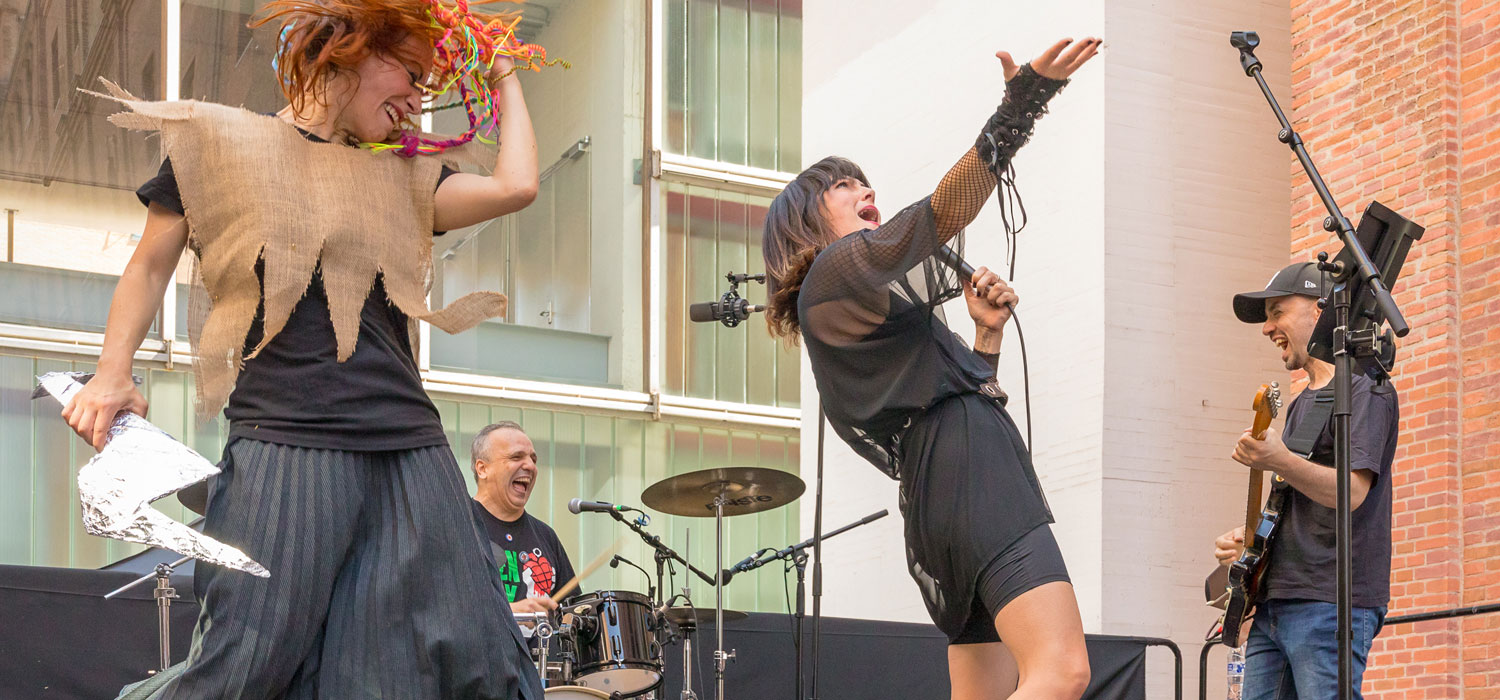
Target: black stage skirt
(968,492)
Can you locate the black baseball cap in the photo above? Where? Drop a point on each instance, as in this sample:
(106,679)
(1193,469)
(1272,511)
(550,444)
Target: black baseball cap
(1297,278)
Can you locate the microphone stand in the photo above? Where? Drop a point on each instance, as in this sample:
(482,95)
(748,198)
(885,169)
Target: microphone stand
(1346,345)
(797,555)
(817,561)
(663,552)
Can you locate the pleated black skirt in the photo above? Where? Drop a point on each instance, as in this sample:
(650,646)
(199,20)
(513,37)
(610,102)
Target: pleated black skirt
(381,585)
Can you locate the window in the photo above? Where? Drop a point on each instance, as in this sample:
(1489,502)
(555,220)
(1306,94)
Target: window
(706,234)
(66,174)
(733,81)
(570,262)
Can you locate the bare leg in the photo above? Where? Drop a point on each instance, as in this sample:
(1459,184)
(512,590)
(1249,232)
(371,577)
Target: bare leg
(1044,633)
(982,671)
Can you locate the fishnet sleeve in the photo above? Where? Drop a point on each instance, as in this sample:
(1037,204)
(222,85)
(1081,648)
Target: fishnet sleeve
(850,289)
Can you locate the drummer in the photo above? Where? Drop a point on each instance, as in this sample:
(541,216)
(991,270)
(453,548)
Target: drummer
(532,561)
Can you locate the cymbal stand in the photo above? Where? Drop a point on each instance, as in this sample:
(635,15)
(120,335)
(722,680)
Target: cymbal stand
(164,593)
(720,656)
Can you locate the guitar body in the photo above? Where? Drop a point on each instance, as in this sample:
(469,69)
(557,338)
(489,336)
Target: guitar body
(1247,573)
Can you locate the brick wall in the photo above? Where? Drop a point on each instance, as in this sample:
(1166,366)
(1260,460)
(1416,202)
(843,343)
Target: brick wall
(1397,101)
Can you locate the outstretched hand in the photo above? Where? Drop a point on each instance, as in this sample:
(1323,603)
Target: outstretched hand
(1058,62)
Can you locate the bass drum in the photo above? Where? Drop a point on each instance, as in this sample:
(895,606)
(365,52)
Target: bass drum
(615,638)
(573,692)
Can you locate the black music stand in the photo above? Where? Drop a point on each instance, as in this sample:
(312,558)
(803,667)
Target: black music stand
(1361,304)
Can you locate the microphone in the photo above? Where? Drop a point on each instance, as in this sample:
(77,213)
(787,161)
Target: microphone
(735,310)
(946,256)
(579,505)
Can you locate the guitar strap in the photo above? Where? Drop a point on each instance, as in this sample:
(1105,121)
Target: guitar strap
(1302,438)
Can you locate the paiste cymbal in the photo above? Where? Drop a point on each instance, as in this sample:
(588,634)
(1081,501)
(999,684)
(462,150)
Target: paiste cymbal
(684,616)
(745,490)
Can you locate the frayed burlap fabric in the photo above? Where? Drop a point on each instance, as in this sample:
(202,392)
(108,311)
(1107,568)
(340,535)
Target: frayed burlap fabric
(253,188)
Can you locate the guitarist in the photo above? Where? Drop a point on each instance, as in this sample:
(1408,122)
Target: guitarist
(1292,647)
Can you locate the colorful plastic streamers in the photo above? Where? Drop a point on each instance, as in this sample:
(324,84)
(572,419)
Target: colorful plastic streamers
(464,55)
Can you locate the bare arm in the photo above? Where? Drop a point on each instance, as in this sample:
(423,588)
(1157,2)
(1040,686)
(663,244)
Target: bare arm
(133,308)
(1314,480)
(466,199)
(1320,483)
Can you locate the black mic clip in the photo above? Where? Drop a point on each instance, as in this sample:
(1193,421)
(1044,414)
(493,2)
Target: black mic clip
(1246,43)
(732,307)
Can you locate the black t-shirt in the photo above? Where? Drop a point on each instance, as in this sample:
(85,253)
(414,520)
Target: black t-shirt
(532,560)
(296,392)
(1304,561)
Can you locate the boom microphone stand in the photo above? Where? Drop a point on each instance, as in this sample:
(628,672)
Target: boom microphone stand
(1354,269)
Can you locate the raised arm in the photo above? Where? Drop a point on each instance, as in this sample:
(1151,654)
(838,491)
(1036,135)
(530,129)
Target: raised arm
(466,199)
(963,190)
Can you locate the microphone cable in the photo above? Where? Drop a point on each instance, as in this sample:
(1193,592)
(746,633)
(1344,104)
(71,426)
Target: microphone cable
(1013,219)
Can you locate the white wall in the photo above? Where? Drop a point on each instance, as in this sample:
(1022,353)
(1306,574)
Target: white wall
(1156,190)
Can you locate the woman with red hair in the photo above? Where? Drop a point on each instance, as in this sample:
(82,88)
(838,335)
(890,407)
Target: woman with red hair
(312,232)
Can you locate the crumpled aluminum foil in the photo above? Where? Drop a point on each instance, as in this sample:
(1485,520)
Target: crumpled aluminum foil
(141,464)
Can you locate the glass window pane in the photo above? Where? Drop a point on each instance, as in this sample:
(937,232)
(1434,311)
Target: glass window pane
(734,64)
(706,234)
(762,88)
(224,60)
(674,75)
(702,78)
(66,174)
(568,261)
(732,81)
(789,86)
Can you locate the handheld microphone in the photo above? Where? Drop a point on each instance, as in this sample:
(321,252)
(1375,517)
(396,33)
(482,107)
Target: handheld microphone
(579,505)
(946,256)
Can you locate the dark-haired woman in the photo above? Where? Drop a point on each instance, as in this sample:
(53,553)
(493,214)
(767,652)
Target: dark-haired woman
(919,403)
(337,476)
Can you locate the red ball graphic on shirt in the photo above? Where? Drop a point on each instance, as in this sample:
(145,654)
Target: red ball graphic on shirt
(538,572)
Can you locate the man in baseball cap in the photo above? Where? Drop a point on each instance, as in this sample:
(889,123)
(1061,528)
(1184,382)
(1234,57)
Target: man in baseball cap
(1297,278)
(1289,651)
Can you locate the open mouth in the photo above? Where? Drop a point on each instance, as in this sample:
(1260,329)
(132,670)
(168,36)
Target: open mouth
(521,485)
(394,114)
(870,214)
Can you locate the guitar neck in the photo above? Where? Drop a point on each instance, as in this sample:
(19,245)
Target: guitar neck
(1252,502)
(1265,410)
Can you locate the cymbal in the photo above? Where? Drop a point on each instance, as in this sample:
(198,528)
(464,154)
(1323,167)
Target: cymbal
(745,490)
(684,616)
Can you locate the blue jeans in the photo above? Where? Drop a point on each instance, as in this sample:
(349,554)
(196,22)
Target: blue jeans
(1293,650)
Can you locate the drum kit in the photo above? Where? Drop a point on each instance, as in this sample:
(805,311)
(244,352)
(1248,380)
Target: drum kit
(610,644)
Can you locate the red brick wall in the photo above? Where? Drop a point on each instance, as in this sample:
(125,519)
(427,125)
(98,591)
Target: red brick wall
(1398,102)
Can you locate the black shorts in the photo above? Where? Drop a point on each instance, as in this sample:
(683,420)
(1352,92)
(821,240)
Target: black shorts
(1030,561)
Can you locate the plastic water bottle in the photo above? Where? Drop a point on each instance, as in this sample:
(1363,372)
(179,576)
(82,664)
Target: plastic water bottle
(1236,672)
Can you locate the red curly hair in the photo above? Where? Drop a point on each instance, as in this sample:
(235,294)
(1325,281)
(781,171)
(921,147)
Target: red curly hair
(320,37)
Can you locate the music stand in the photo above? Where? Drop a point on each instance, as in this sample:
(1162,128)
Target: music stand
(1387,236)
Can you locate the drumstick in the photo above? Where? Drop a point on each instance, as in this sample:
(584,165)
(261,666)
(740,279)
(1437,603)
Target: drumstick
(595,564)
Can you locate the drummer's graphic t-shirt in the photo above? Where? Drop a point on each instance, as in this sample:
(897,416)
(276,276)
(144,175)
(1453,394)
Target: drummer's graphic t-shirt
(532,560)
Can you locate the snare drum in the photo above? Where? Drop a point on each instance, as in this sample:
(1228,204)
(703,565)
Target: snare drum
(616,643)
(573,692)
